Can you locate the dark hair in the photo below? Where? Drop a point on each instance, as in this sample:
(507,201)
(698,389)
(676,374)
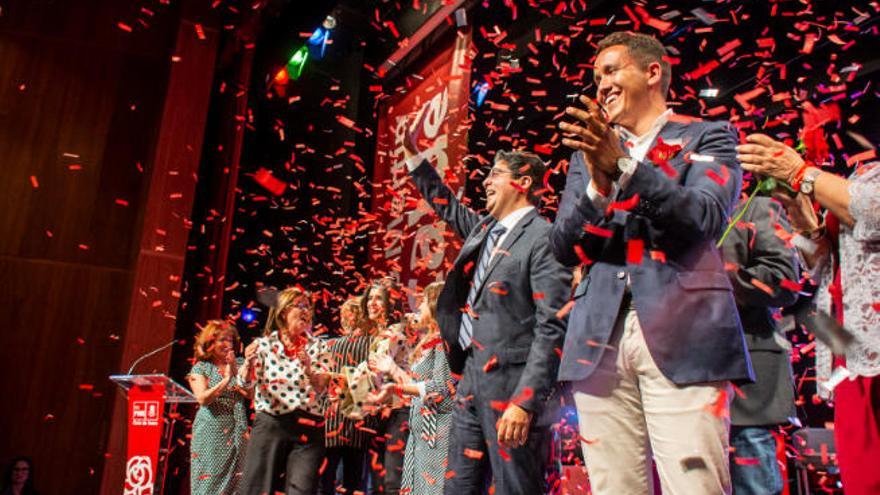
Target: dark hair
(644,49)
(29,484)
(392,297)
(525,164)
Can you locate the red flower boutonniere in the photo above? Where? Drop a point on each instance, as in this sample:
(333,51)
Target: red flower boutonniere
(660,155)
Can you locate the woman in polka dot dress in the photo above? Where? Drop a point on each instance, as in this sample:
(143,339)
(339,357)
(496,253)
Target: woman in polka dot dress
(218,434)
(289,368)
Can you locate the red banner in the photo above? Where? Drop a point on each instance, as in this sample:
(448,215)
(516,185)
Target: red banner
(145,417)
(410,240)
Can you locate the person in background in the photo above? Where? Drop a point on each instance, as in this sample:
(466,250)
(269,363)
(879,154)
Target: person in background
(843,255)
(346,439)
(430,385)
(19,478)
(289,368)
(759,262)
(383,305)
(219,429)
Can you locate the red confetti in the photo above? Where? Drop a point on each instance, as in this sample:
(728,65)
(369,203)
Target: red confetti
(635,249)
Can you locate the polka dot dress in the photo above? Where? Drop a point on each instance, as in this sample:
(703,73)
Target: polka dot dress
(218,438)
(282,385)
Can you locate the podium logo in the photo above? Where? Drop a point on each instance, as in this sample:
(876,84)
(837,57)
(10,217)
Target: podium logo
(139,476)
(145,413)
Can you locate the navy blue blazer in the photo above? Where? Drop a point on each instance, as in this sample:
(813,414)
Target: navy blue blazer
(680,291)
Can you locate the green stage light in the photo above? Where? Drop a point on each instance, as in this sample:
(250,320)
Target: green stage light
(297,62)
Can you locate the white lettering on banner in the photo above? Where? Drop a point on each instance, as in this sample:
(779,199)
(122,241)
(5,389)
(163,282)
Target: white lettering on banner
(145,413)
(435,112)
(139,476)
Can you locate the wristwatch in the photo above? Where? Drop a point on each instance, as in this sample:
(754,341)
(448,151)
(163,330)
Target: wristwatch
(807,186)
(626,165)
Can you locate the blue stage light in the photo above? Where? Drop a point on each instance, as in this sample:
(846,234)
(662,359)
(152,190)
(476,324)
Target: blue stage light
(480,91)
(317,38)
(248,315)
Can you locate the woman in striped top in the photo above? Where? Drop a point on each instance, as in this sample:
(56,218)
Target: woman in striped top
(346,439)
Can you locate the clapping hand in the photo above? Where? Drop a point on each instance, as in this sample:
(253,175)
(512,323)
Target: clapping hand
(598,141)
(381,396)
(383,363)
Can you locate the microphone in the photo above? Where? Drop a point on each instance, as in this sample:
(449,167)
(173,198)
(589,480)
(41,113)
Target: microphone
(154,351)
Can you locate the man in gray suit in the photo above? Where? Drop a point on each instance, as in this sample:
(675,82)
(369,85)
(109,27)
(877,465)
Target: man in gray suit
(499,315)
(758,264)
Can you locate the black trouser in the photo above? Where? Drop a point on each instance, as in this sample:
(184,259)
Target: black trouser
(386,455)
(352,459)
(284,454)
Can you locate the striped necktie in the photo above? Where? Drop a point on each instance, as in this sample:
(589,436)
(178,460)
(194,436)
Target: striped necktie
(466,331)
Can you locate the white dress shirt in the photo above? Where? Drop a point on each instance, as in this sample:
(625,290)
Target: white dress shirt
(638,147)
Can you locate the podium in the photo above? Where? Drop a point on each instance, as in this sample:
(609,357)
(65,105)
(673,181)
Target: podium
(147,396)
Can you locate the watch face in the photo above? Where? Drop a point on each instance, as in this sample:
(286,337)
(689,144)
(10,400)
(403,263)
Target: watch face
(807,188)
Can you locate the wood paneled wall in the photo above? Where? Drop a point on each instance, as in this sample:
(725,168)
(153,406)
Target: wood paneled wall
(100,136)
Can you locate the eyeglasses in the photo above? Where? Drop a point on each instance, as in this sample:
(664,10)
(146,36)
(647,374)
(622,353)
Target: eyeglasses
(495,172)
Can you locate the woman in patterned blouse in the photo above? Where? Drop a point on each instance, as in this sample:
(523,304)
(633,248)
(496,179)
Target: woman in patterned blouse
(843,255)
(288,367)
(218,433)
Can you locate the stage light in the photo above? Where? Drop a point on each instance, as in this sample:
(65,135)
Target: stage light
(297,62)
(282,77)
(318,37)
(248,315)
(709,93)
(480,91)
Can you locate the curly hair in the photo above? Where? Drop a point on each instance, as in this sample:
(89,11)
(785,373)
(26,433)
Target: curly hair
(204,345)
(353,305)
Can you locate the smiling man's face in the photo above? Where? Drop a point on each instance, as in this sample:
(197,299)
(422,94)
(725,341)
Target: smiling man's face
(622,86)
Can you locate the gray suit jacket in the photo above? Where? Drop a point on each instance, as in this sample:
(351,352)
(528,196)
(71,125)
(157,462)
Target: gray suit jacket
(755,250)
(517,333)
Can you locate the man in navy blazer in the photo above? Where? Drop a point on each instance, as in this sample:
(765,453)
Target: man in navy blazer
(500,316)
(654,339)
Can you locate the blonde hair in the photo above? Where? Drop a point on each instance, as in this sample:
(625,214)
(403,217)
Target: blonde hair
(432,294)
(286,299)
(204,346)
(353,304)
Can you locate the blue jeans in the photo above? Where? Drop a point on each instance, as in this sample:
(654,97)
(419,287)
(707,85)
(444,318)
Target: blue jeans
(753,466)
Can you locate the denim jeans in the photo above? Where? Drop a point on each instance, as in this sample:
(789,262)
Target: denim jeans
(753,465)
